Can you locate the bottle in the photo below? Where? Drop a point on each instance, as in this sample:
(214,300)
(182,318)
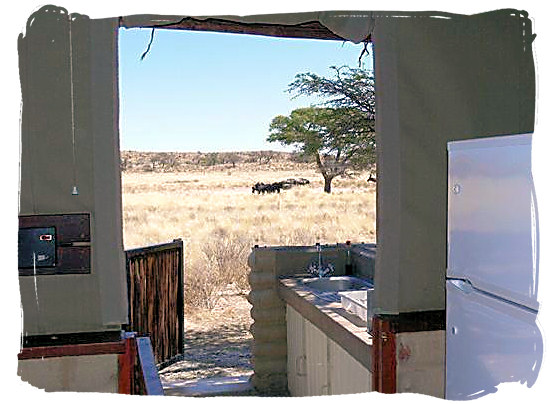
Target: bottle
(347,268)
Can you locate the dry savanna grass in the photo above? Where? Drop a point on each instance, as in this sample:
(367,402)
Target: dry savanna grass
(214,211)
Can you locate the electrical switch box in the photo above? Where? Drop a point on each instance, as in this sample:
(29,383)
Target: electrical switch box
(37,247)
(54,244)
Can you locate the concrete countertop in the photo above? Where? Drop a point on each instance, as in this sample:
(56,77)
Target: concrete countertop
(347,330)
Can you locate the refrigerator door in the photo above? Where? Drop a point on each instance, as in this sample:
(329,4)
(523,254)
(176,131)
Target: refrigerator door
(489,341)
(492,233)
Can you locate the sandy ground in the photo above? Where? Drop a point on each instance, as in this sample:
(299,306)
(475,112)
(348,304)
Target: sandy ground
(217,342)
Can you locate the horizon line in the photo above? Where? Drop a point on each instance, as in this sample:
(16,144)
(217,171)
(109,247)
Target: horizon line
(217,151)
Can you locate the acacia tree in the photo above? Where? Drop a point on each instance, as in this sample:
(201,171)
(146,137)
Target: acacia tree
(338,138)
(349,88)
(338,133)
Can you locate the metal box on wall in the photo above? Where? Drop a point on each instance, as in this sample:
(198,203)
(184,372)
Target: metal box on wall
(54,244)
(60,288)
(36,247)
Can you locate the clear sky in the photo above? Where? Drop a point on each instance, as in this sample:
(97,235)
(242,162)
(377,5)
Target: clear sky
(202,91)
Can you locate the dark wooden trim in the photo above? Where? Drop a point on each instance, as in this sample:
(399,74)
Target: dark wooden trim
(152,249)
(149,372)
(180,298)
(307,30)
(126,366)
(432,320)
(385,327)
(384,374)
(72,350)
(137,372)
(71,339)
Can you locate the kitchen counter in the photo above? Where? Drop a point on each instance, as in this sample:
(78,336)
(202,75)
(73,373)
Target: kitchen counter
(347,330)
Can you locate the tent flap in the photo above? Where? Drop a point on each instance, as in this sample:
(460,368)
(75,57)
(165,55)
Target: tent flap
(336,25)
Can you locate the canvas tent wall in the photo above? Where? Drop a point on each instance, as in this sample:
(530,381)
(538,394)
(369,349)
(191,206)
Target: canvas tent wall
(69,142)
(438,79)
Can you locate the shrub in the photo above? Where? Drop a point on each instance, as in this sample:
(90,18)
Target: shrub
(227,254)
(202,287)
(222,262)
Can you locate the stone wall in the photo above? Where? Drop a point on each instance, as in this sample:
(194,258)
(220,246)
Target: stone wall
(269,327)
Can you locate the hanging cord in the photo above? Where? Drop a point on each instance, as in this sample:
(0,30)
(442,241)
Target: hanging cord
(368,38)
(148,46)
(75,188)
(365,50)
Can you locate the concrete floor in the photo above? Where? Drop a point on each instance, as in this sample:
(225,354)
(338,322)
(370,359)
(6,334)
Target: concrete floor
(210,387)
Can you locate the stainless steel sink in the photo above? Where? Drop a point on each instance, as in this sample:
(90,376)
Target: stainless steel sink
(327,288)
(335,283)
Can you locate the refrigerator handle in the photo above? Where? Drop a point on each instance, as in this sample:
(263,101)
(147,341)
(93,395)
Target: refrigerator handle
(462,285)
(535,235)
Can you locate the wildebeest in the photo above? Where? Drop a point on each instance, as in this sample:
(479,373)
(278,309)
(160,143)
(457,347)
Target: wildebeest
(258,187)
(277,186)
(262,188)
(299,181)
(371,178)
(290,181)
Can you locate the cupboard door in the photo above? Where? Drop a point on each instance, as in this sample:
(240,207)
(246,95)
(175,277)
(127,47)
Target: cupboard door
(316,347)
(347,375)
(296,359)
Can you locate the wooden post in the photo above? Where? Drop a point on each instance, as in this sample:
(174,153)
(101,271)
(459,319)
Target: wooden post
(126,365)
(180,300)
(383,357)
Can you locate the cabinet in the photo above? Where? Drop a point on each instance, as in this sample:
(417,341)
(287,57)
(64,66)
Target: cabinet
(296,355)
(316,365)
(316,360)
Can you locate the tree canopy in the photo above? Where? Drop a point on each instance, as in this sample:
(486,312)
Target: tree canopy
(339,133)
(349,88)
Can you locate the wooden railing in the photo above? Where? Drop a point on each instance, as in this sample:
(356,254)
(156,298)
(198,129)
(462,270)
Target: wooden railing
(155,296)
(147,378)
(136,366)
(137,371)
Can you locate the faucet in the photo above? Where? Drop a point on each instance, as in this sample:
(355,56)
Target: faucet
(317,268)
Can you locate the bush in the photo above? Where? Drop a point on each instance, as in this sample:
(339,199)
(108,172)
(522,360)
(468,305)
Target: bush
(227,255)
(203,287)
(222,262)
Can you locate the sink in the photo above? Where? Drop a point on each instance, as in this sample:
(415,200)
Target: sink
(353,293)
(336,284)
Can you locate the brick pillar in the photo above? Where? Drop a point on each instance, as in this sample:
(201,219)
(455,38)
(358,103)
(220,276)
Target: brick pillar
(269,327)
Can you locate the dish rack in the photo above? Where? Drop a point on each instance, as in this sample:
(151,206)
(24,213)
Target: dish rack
(358,302)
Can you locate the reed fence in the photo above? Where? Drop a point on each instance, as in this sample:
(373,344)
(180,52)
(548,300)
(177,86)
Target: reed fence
(155,296)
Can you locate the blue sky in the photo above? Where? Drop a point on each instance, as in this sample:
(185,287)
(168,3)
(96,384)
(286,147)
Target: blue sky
(202,91)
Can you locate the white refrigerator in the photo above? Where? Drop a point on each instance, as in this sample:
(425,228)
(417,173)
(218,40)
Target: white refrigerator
(492,267)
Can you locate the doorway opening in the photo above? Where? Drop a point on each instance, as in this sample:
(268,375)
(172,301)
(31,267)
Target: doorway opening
(197,110)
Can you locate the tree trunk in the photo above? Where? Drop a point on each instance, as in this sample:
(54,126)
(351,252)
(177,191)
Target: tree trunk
(328,178)
(328,181)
